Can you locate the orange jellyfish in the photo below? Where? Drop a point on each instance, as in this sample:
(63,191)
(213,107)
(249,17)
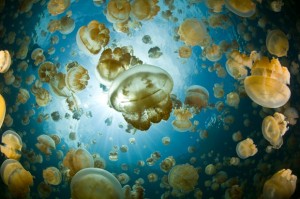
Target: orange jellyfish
(5,61)
(245,8)
(197,97)
(12,145)
(267,84)
(118,11)
(212,52)
(2,110)
(45,144)
(185,52)
(246,148)
(42,97)
(52,176)
(142,94)
(77,78)
(93,37)
(277,43)
(182,122)
(56,7)
(144,9)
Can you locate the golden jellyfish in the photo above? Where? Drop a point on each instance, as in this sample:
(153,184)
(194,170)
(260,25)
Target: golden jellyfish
(42,97)
(22,66)
(67,25)
(144,9)
(2,110)
(118,11)
(77,78)
(166,140)
(210,169)
(12,145)
(22,52)
(16,178)
(56,139)
(123,178)
(58,85)
(76,160)
(215,5)
(277,43)
(93,37)
(56,7)
(246,148)
(291,115)
(273,128)
(5,61)
(218,90)
(267,85)
(182,122)
(183,177)
(46,71)
(112,62)
(52,176)
(54,25)
(233,99)
(212,52)
(197,97)
(276,5)
(167,164)
(95,183)
(237,136)
(193,32)
(185,52)
(142,94)
(245,8)
(45,144)
(23,96)
(152,177)
(9,77)
(8,120)
(281,185)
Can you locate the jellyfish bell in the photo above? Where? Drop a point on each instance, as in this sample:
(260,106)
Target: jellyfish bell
(67,25)
(45,144)
(246,148)
(277,43)
(144,9)
(142,94)
(5,61)
(118,11)
(196,96)
(77,78)
(95,183)
(12,145)
(182,122)
(56,7)
(245,8)
(2,110)
(52,176)
(58,85)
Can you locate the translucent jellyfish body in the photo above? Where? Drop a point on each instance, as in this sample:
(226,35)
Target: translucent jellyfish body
(16,178)
(2,110)
(77,78)
(52,176)
(197,97)
(245,8)
(65,25)
(5,61)
(45,144)
(277,43)
(167,164)
(58,85)
(93,37)
(38,56)
(142,94)
(236,64)
(77,160)
(56,7)
(144,9)
(12,145)
(95,183)
(183,177)
(273,128)
(233,99)
(246,148)
(46,71)
(193,32)
(42,97)
(267,84)
(118,11)
(23,96)
(182,122)
(212,52)
(281,185)
(215,5)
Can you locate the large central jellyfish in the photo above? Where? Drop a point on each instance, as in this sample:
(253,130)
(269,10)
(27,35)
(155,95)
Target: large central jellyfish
(142,94)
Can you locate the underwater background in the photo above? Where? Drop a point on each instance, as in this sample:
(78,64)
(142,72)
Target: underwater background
(89,121)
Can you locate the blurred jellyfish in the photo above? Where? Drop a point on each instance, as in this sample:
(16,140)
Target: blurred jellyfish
(42,97)
(2,110)
(277,43)
(212,52)
(77,78)
(273,128)
(218,90)
(16,178)
(246,148)
(56,139)
(124,148)
(246,8)
(118,11)
(281,185)
(144,9)
(9,77)
(123,178)
(56,7)
(193,32)
(210,169)
(8,120)
(183,177)
(215,5)
(234,161)
(93,37)
(182,122)
(23,96)
(67,25)
(276,5)
(267,84)
(152,177)
(291,115)
(167,164)
(12,145)
(95,183)
(237,136)
(47,71)
(197,97)
(52,176)
(154,52)
(148,102)
(166,140)
(22,66)
(45,144)
(58,85)
(184,52)
(233,99)
(38,56)
(5,61)
(44,190)
(76,160)
(99,162)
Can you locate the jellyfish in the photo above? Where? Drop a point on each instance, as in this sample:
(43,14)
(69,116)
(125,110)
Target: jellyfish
(166,140)
(215,5)
(8,120)
(183,177)
(118,11)
(95,183)
(2,110)
(197,97)
(184,52)
(182,122)
(142,94)
(56,139)
(193,32)
(277,43)
(52,176)
(9,77)
(276,5)
(93,37)
(12,145)
(38,56)
(167,164)
(210,169)
(58,85)
(5,61)
(246,148)
(44,190)
(291,115)
(245,8)
(76,160)
(123,178)
(281,185)
(218,90)
(267,84)
(56,7)
(45,144)
(23,96)
(144,9)
(273,128)
(233,99)
(212,52)
(67,25)
(77,78)
(47,71)
(22,52)
(42,97)
(16,178)
(22,66)
(152,177)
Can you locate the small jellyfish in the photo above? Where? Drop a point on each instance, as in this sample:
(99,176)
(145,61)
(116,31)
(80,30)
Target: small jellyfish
(123,178)
(154,52)
(38,56)
(236,64)
(152,177)
(218,90)
(118,11)
(212,52)
(12,145)
(167,164)
(182,122)
(5,61)
(56,7)
(77,78)
(233,99)
(23,96)
(52,176)
(166,140)
(185,52)
(45,144)
(42,97)
(144,9)
(47,71)
(210,169)
(196,96)
(277,43)
(246,148)
(147,39)
(245,8)
(276,5)
(58,85)
(215,5)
